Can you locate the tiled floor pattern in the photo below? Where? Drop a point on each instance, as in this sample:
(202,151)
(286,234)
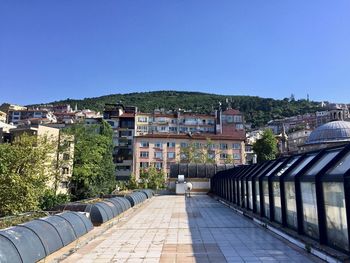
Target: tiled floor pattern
(196,229)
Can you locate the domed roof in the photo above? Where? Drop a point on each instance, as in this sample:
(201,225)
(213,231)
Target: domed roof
(335,131)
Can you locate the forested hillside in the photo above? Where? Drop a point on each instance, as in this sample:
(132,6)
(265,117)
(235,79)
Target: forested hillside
(257,111)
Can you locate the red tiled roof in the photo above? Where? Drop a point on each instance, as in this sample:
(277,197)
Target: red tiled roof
(127,115)
(231,112)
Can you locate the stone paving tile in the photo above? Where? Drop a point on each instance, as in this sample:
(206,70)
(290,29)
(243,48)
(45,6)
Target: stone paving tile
(171,229)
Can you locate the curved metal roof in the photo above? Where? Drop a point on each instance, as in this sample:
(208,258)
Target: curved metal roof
(335,131)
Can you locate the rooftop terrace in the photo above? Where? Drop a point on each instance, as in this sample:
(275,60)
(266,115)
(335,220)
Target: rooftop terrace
(172,228)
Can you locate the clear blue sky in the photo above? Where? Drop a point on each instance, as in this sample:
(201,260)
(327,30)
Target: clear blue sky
(57,49)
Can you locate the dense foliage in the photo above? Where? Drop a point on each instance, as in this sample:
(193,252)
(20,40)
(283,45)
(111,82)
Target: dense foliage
(25,170)
(152,178)
(266,147)
(257,111)
(93,172)
(202,153)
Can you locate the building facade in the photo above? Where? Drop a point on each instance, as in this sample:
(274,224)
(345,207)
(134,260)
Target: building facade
(62,157)
(163,150)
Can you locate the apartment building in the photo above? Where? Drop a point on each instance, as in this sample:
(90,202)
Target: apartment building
(30,116)
(61,159)
(122,121)
(162,150)
(161,138)
(163,133)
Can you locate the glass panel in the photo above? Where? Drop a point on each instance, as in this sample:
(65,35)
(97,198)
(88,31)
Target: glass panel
(257,196)
(302,164)
(265,169)
(266,198)
(250,194)
(308,197)
(239,192)
(342,166)
(244,193)
(277,201)
(322,162)
(274,169)
(337,227)
(289,164)
(291,206)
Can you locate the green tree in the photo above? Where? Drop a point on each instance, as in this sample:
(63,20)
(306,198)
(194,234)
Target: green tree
(202,153)
(25,170)
(152,178)
(132,183)
(93,172)
(266,146)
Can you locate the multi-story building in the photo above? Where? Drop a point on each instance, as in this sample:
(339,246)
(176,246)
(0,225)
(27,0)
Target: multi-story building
(122,120)
(30,116)
(296,139)
(161,138)
(61,159)
(3,116)
(291,123)
(135,131)
(6,107)
(162,150)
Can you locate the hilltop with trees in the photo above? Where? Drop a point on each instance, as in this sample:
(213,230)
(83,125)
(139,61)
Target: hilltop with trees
(257,111)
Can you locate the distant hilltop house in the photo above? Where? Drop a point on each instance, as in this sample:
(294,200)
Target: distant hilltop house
(53,115)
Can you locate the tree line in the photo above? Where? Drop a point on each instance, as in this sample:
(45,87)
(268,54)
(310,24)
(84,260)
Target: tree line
(257,111)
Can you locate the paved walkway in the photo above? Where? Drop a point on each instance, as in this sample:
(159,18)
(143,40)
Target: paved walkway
(197,229)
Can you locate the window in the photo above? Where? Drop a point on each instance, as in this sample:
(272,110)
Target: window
(65,170)
(158,165)
(223,146)
(158,145)
(171,155)
(183,156)
(197,145)
(236,156)
(183,144)
(144,165)
(16,113)
(111,123)
(239,126)
(223,155)
(236,146)
(142,119)
(64,184)
(171,144)
(144,144)
(158,155)
(142,128)
(144,154)
(229,119)
(163,128)
(125,133)
(172,129)
(211,155)
(66,156)
(237,118)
